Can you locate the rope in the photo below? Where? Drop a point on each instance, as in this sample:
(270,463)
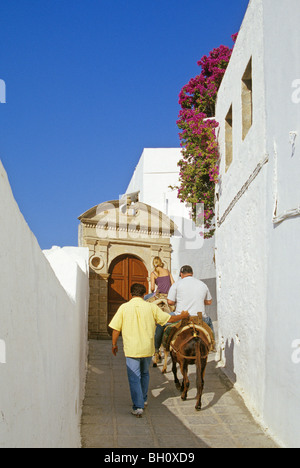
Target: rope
(243,190)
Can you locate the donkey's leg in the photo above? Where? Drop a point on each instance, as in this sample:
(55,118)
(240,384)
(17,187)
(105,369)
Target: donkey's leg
(174,370)
(164,369)
(186,382)
(200,383)
(156,358)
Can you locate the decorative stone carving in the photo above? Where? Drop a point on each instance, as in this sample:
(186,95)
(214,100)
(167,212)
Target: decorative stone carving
(97,263)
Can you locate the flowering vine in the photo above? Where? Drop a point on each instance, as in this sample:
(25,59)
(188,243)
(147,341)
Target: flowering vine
(199,166)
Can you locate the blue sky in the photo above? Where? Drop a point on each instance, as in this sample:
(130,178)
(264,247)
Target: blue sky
(89,84)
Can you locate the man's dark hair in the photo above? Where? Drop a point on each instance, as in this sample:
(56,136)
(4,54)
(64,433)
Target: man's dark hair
(186,270)
(138,290)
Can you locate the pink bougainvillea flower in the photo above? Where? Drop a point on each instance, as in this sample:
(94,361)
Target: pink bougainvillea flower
(199,166)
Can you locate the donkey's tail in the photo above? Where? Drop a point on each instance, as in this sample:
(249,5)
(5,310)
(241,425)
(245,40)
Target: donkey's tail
(199,374)
(198,361)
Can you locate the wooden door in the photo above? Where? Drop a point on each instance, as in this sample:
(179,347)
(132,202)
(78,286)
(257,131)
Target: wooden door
(124,272)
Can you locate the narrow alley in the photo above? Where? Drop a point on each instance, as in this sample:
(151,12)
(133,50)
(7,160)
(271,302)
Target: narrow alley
(168,422)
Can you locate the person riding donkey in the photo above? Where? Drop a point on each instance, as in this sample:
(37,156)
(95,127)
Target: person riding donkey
(189,294)
(161,282)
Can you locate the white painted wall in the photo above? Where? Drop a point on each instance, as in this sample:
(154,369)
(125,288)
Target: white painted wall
(156,171)
(257,261)
(241,239)
(43,334)
(282,411)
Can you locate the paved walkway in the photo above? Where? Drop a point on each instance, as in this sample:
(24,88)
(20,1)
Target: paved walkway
(224,421)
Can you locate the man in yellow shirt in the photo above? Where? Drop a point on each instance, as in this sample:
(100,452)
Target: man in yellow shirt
(137,321)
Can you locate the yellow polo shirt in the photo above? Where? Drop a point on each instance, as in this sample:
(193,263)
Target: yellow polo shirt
(137,320)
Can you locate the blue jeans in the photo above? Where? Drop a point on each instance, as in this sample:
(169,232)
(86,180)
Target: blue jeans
(139,378)
(159,333)
(149,296)
(209,322)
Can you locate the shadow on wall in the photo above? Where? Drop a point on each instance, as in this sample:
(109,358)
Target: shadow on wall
(227,356)
(212,310)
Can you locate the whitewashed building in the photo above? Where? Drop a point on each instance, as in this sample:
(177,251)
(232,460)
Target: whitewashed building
(258,199)
(156,172)
(44,298)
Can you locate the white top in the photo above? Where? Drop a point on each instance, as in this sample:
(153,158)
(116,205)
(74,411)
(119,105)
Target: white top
(190,293)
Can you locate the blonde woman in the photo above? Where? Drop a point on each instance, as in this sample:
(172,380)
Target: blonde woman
(161,278)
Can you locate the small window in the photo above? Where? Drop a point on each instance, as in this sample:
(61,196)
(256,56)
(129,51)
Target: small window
(228,139)
(167,206)
(247,106)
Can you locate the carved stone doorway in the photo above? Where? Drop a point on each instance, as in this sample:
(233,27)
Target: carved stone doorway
(123,239)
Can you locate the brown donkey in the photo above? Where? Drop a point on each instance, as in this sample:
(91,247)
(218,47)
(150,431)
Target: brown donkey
(191,345)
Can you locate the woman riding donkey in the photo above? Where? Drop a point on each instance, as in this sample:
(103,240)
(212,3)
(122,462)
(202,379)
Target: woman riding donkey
(161,282)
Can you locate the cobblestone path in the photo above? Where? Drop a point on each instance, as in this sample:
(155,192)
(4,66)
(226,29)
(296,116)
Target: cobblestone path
(224,421)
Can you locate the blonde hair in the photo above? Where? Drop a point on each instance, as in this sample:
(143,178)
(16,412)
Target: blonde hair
(158,263)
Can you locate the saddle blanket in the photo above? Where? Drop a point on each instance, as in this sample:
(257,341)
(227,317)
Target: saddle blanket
(173,330)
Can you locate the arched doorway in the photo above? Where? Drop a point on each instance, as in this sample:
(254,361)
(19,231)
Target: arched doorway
(109,230)
(124,272)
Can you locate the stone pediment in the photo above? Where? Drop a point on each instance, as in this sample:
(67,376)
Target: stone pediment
(122,215)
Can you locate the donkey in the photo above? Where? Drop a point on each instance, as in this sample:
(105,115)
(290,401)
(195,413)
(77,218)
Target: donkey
(192,345)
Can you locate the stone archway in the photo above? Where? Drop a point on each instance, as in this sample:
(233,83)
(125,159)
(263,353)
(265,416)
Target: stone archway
(117,229)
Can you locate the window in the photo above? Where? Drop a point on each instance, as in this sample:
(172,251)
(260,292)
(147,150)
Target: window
(167,206)
(228,140)
(247,106)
